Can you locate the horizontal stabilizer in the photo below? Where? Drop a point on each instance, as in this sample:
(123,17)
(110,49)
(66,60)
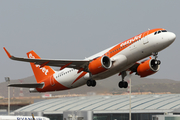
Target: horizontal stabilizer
(35,85)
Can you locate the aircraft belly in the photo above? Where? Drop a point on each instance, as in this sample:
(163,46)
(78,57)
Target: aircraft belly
(111,72)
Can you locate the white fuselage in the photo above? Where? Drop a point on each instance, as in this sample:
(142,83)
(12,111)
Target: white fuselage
(123,60)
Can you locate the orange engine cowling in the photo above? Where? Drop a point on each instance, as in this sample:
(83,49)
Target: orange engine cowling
(148,67)
(99,65)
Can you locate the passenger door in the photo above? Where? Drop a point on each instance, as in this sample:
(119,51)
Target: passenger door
(52,82)
(145,38)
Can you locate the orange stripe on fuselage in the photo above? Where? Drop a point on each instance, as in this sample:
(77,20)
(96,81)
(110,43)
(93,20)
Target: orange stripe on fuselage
(118,48)
(55,85)
(51,84)
(82,74)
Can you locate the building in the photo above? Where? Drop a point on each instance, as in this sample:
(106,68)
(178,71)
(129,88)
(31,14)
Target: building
(166,117)
(111,107)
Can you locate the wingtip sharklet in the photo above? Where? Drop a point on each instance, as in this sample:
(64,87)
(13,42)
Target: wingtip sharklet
(8,54)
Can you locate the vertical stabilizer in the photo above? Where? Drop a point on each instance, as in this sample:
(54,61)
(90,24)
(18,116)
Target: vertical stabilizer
(39,73)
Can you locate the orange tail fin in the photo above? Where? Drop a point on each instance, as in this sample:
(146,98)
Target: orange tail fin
(39,73)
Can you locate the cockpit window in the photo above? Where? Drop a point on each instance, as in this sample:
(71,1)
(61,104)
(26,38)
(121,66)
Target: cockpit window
(157,32)
(164,30)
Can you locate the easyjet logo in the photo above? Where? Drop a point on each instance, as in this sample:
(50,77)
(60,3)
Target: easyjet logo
(43,69)
(131,40)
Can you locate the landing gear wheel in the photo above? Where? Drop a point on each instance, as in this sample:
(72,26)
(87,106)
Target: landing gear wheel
(123,84)
(158,62)
(91,83)
(155,54)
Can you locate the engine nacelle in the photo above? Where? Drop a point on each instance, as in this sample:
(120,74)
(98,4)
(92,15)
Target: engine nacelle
(99,65)
(148,67)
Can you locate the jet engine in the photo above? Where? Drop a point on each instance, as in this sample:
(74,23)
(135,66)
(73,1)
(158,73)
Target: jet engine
(100,64)
(148,67)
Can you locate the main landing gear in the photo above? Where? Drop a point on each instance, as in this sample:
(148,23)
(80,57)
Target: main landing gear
(123,84)
(91,83)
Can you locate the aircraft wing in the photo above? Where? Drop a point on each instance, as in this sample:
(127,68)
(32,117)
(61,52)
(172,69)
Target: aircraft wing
(35,85)
(76,64)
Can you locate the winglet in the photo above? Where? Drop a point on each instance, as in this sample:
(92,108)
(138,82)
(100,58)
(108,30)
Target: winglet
(8,54)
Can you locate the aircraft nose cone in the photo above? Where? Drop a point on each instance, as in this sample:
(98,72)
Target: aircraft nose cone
(172,37)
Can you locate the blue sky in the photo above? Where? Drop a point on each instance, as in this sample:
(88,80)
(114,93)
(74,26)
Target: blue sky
(78,29)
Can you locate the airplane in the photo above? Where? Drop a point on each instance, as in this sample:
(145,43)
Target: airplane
(118,59)
(32,117)
(2,117)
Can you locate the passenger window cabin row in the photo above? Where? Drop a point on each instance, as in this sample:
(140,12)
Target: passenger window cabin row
(61,74)
(125,46)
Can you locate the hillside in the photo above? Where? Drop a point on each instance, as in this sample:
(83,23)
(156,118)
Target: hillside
(109,85)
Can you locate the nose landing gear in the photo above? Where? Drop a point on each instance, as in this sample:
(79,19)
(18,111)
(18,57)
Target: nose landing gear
(157,62)
(155,54)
